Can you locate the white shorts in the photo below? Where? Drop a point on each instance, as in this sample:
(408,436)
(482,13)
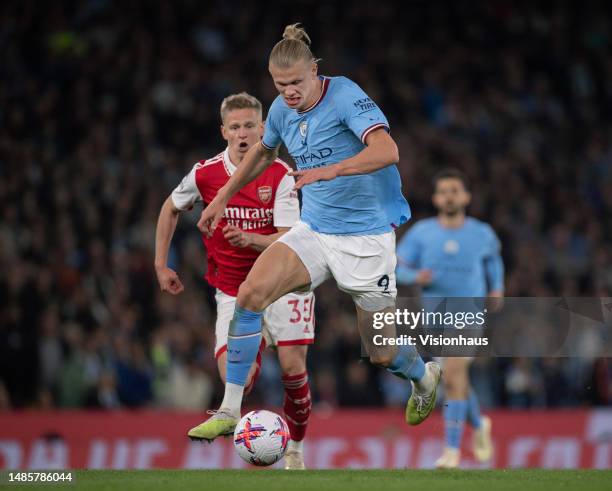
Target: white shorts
(288,321)
(362,265)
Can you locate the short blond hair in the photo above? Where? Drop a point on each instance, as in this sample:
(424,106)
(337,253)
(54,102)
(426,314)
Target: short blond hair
(240,101)
(294,47)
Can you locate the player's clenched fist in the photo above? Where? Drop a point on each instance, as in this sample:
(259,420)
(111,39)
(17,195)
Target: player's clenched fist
(169,281)
(313,175)
(424,277)
(211,215)
(236,236)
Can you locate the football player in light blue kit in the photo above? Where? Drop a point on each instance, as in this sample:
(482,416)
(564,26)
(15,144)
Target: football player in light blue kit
(352,202)
(452,255)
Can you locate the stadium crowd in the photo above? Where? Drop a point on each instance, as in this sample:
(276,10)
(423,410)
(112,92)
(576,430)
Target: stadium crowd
(105,105)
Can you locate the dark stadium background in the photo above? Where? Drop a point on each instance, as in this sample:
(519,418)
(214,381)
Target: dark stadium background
(105,105)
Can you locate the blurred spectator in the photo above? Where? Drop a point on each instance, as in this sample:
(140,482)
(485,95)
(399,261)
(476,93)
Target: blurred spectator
(105,396)
(357,389)
(73,385)
(189,387)
(522,385)
(134,375)
(5,398)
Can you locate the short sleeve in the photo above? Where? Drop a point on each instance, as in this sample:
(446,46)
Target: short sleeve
(358,111)
(186,194)
(286,204)
(272,136)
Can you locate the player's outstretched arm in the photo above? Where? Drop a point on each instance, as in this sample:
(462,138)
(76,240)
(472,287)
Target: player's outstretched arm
(409,253)
(406,275)
(257,159)
(380,151)
(166,225)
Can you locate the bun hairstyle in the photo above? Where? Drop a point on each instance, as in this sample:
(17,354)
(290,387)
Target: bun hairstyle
(293,48)
(294,31)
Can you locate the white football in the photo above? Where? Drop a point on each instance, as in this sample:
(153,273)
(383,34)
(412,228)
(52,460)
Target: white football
(261,437)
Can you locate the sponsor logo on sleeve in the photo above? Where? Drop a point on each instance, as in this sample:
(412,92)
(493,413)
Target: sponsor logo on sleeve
(364,105)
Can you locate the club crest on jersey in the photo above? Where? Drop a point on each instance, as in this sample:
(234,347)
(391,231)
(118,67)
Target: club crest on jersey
(451,247)
(303,128)
(265,193)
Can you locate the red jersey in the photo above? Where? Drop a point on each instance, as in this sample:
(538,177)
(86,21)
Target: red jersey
(260,207)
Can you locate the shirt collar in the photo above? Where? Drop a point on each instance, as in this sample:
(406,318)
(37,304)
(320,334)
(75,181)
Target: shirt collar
(227,161)
(324,87)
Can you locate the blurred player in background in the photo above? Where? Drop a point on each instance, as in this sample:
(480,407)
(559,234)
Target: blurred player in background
(352,202)
(452,255)
(254,218)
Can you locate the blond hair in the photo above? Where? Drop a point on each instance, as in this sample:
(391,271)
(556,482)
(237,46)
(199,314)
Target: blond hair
(294,47)
(240,101)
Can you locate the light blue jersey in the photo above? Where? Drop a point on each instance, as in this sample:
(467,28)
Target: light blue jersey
(332,130)
(465,261)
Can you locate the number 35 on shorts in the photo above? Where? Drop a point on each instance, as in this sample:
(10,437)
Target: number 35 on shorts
(301,309)
(291,320)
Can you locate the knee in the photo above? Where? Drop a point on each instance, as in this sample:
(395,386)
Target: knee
(454,384)
(250,296)
(292,360)
(293,368)
(450,384)
(382,358)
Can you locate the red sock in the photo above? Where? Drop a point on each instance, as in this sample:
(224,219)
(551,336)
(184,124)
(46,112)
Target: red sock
(297,404)
(249,386)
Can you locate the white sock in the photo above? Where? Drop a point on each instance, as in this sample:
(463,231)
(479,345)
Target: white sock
(232,399)
(295,446)
(426,384)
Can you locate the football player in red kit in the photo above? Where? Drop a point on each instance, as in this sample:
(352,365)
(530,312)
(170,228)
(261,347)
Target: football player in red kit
(254,218)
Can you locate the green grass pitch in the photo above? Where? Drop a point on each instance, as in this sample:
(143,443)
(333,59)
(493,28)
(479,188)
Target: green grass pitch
(322,480)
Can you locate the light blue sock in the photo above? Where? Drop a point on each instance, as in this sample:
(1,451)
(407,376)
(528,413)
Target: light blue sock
(407,364)
(454,413)
(473,411)
(242,344)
